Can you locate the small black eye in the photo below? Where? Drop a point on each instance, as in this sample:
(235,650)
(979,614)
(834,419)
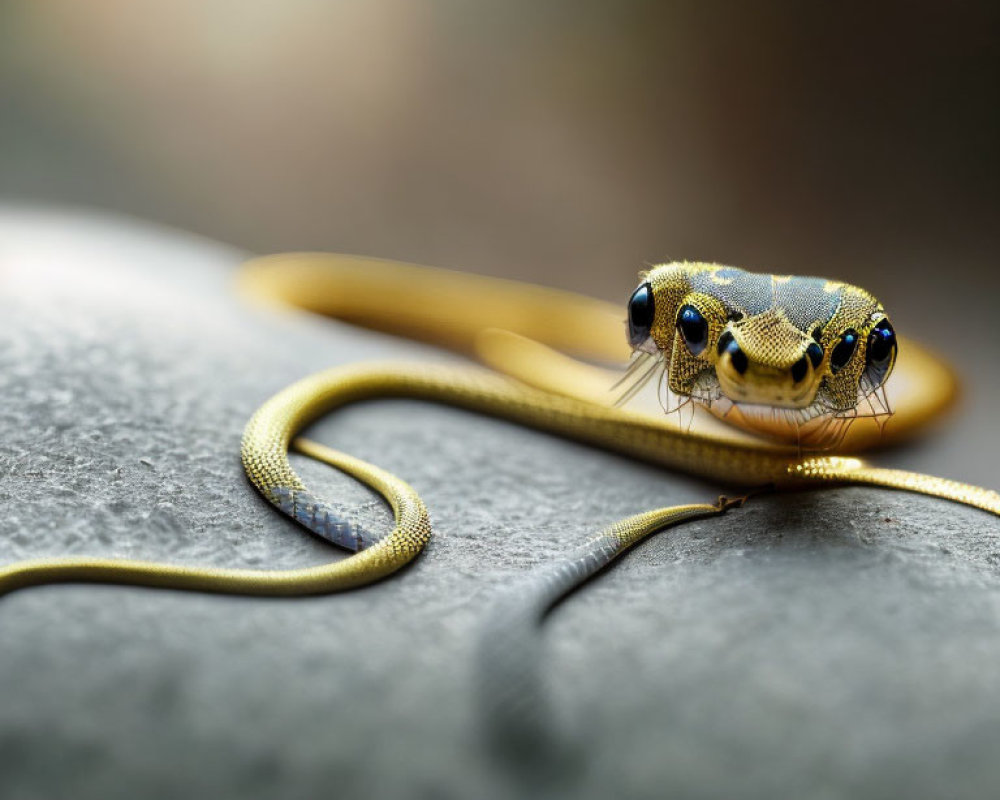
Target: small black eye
(844,350)
(641,312)
(881,344)
(815,353)
(799,369)
(818,333)
(694,328)
(728,344)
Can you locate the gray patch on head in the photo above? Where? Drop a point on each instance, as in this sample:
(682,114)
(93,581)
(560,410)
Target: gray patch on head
(804,301)
(746,292)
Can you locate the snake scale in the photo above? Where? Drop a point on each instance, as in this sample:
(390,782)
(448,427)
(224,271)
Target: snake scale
(802,361)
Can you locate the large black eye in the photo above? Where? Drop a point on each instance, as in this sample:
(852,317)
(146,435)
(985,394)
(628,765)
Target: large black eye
(881,344)
(693,327)
(881,353)
(641,311)
(844,350)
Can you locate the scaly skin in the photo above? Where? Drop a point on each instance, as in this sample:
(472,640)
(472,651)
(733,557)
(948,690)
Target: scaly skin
(463,312)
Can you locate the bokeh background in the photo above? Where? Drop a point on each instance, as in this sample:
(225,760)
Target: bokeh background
(569,142)
(840,644)
(566,142)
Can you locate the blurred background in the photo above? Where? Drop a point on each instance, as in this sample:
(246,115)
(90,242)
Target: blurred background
(567,142)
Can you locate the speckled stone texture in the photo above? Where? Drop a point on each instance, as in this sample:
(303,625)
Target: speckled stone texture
(836,644)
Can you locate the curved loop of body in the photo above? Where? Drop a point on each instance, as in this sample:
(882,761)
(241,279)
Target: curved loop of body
(517,329)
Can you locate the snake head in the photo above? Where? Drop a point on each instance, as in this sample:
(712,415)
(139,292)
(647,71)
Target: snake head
(781,355)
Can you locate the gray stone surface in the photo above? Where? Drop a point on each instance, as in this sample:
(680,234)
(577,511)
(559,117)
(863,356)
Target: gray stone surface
(819,645)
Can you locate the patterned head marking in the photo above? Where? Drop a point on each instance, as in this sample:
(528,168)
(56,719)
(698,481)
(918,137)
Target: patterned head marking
(779,351)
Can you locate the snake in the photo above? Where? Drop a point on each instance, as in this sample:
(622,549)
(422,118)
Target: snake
(785,381)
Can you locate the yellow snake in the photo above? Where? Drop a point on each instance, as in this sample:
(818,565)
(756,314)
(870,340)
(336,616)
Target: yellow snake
(799,359)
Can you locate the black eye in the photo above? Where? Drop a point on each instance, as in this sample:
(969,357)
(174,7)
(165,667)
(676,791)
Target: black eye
(815,353)
(694,328)
(881,344)
(844,350)
(881,353)
(641,311)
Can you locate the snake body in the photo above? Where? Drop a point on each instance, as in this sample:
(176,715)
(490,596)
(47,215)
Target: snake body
(518,329)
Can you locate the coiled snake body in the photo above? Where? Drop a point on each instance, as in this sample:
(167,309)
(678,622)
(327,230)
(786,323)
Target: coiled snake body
(805,360)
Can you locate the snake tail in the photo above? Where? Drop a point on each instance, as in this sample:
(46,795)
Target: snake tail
(512,681)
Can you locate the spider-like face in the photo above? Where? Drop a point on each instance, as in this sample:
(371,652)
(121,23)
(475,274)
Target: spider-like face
(769,352)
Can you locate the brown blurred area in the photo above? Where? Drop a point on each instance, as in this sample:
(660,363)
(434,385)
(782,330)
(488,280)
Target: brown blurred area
(563,142)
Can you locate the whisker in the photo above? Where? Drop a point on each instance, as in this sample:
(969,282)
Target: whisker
(660,389)
(667,397)
(884,402)
(841,432)
(690,419)
(686,402)
(639,383)
(823,434)
(639,358)
(871,407)
(884,399)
